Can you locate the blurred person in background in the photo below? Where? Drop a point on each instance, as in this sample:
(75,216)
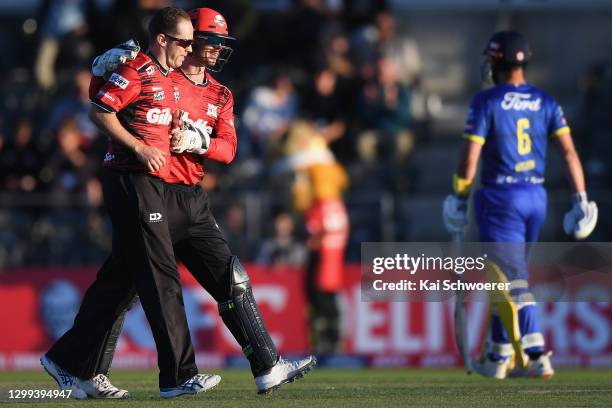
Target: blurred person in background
(282,250)
(21,159)
(63,30)
(75,104)
(381,40)
(326,104)
(336,52)
(384,104)
(234,228)
(69,168)
(317,192)
(267,114)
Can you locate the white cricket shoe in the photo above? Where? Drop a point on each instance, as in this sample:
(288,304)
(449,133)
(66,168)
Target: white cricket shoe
(540,368)
(100,387)
(283,372)
(196,384)
(492,369)
(64,379)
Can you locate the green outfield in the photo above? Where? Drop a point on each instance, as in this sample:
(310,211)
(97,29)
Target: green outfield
(364,388)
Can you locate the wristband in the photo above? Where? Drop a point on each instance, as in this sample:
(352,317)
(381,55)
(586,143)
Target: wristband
(461,186)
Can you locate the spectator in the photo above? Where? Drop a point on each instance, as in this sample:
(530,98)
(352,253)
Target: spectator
(317,192)
(21,159)
(269,111)
(63,29)
(234,229)
(69,169)
(402,50)
(385,107)
(326,106)
(282,250)
(380,40)
(75,104)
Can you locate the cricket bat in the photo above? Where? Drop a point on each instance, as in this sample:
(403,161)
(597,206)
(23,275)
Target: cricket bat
(461,324)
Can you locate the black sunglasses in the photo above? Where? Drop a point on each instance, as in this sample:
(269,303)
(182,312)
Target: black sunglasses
(185,43)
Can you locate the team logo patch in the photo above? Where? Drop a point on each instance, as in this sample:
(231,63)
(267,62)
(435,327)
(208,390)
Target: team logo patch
(159,116)
(212,110)
(159,96)
(155,217)
(219,20)
(520,102)
(118,80)
(102,95)
(150,70)
(177,94)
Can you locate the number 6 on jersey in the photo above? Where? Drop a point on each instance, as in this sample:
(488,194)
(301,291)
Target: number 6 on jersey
(523,139)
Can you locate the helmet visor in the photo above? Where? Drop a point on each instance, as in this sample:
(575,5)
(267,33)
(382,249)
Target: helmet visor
(217,42)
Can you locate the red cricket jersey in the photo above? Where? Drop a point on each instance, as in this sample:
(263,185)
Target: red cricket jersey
(328,220)
(210,104)
(143,96)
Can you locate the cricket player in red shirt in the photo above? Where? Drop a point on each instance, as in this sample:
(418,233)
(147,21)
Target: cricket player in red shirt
(134,108)
(207,130)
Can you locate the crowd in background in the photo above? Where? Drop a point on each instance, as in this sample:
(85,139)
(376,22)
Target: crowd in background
(341,67)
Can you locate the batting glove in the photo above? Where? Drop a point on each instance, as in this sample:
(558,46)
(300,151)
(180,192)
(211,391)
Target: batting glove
(581,220)
(454,213)
(191,138)
(111,59)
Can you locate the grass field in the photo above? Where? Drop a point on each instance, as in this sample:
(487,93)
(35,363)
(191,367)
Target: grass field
(366,388)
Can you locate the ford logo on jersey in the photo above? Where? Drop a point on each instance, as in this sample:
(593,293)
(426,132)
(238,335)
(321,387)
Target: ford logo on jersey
(520,102)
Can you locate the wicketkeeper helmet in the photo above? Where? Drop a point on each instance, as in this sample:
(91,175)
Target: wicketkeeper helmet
(211,26)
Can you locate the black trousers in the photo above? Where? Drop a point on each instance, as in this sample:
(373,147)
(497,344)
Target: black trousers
(324,311)
(143,263)
(198,243)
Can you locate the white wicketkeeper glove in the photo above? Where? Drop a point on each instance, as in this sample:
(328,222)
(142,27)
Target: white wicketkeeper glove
(454,213)
(114,57)
(191,138)
(580,221)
